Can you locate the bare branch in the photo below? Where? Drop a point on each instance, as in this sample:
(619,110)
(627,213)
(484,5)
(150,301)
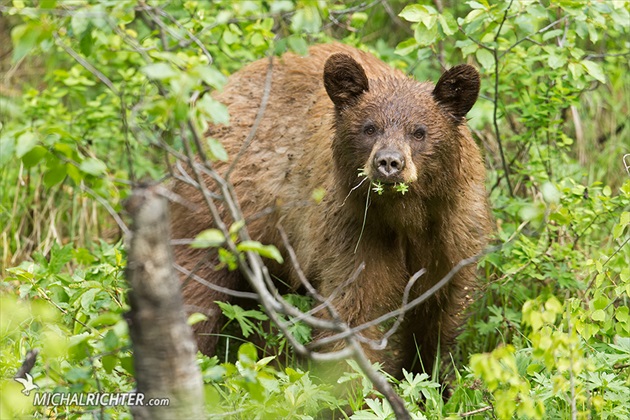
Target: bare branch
(225,290)
(477,411)
(89,67)
(259,116)
(377,379)
(192,37)
(417,301)
(401,318)
(506,169)
(528,38)
(121,224)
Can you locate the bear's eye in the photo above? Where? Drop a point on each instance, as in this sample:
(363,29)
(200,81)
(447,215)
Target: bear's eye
(369,129)
(419,133)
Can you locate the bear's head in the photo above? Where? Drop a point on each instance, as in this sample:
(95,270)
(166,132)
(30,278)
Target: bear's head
(396,130)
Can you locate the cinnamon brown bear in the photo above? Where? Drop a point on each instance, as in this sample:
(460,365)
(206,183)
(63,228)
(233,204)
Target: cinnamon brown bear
(334,118)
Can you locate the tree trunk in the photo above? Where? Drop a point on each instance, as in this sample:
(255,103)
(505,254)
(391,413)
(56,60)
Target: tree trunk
(163,344)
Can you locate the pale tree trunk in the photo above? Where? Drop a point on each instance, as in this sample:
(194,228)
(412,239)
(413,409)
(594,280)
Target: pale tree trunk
(163,344)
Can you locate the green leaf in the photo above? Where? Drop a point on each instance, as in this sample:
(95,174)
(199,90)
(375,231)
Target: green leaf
(110,340)
(476,5)
(75,340)
(413,13)
(34,156)
(213,109)
(268,251)
(7,147)
(247,353)
(425,36)
(47,4)
(127,364)
(229,37)
(556,61)
(618,231)
(208,238)
(406,47)
(87,298)
(318,195)
(595,70)
(551,34)
(550,193)
(306,20)
(109,362)
(216,150)
(485,59)
(401,187)
(25,143)
(599,315)
(55,174)
(467,47)
(447,23)
(359,19)
(104,319)
(74,173)
(576,70)
(525,23)
(622,314)
(240,315)
(79,22)
(212,76)
(24,39)
(86,43)
(298,44)
(159,71)
(195,318)
(553,305)
(93,166)
(236,227)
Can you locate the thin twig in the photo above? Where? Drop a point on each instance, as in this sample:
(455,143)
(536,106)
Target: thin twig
(590,283)
(181,27)
(475,412)
(121,224)
(220,289)
(496,102)
(527,38)
(405,308)
(259,116)
(89,67)
(378,380)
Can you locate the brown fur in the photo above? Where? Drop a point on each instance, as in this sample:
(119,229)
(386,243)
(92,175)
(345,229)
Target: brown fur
(394,129)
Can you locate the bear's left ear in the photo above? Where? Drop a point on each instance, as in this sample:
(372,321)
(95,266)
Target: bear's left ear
(457,90)
(344,80)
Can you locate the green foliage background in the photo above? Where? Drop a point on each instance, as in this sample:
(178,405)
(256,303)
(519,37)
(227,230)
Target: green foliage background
(94,92)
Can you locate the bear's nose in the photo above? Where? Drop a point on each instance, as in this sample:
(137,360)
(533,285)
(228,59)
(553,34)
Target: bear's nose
(388,162)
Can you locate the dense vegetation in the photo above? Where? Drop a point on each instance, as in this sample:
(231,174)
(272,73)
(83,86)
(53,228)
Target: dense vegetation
(95,92)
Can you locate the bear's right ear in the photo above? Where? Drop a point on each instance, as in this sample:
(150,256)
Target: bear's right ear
(344,80)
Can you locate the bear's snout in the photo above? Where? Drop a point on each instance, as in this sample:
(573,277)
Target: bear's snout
(388,163)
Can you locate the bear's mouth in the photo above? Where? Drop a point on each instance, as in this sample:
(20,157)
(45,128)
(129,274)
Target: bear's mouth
(381,187)
(391,180)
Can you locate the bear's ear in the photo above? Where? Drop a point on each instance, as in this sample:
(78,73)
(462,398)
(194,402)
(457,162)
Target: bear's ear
(344,80)
(457,90)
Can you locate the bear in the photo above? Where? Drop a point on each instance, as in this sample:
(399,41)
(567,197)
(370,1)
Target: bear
(404,190)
